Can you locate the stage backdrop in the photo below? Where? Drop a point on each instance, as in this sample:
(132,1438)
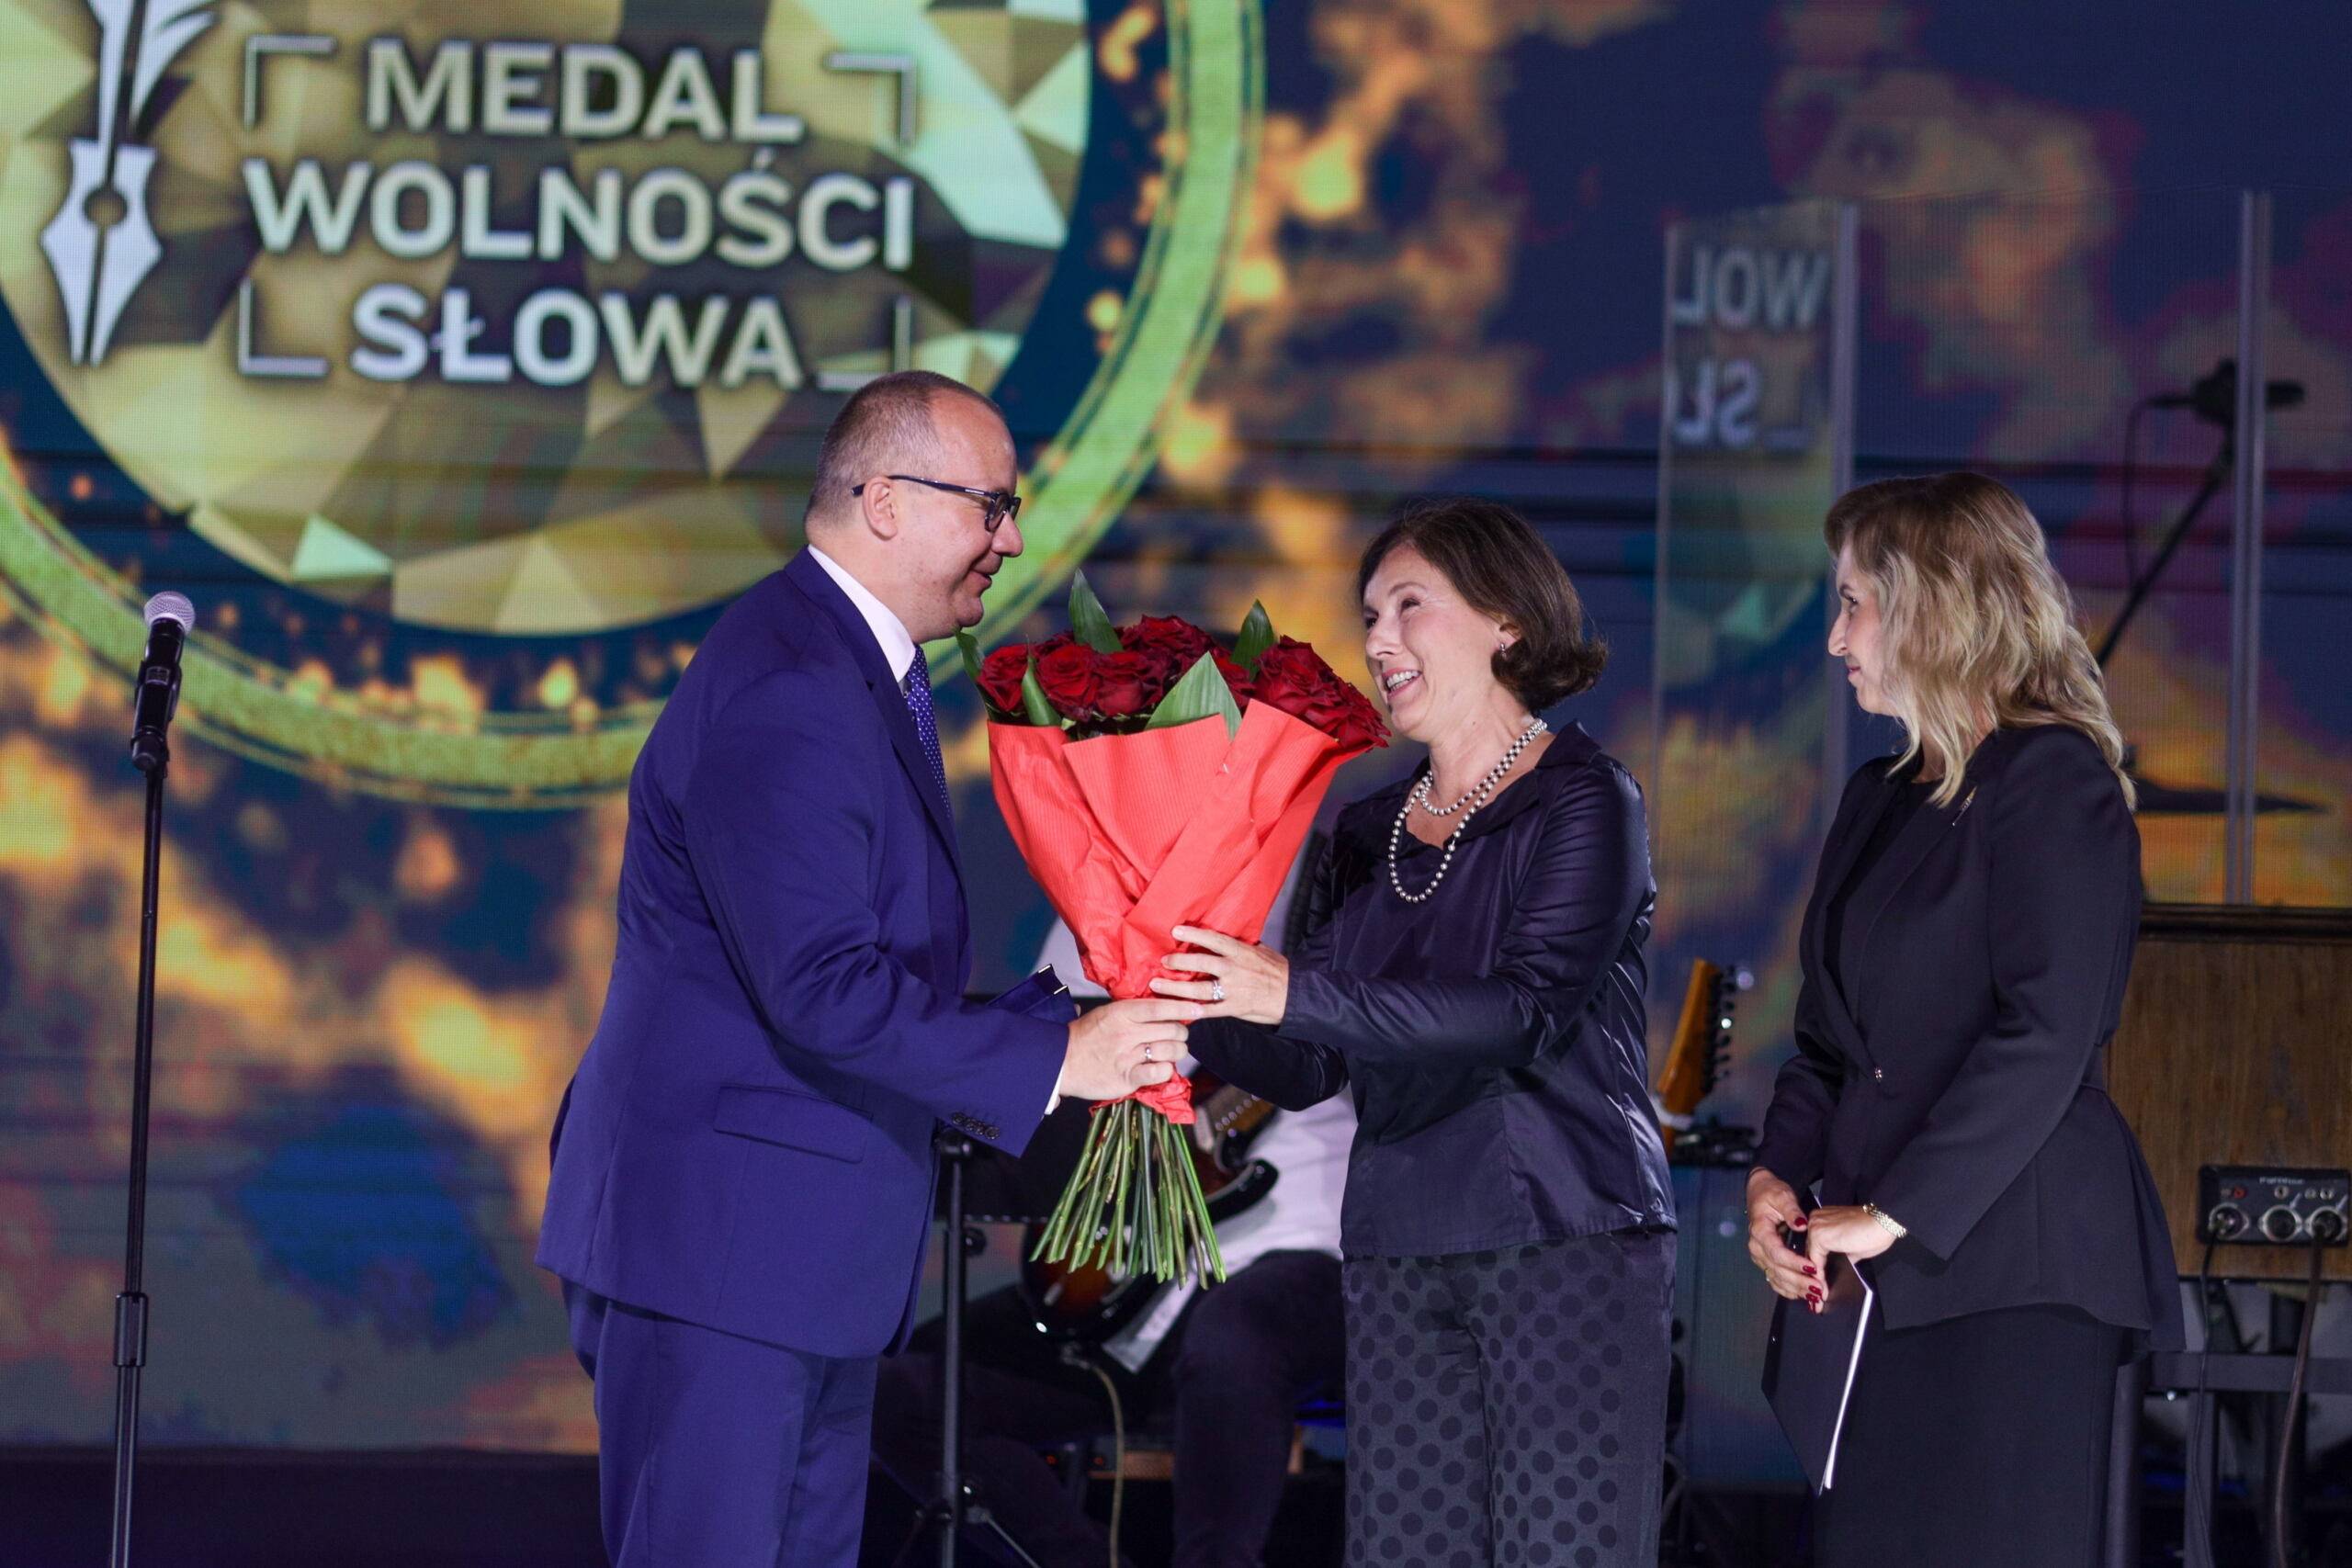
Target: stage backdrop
(461,362)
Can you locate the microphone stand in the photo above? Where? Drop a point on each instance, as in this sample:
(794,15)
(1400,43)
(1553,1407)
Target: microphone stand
(2217,472)
(957,1504)
(152,756)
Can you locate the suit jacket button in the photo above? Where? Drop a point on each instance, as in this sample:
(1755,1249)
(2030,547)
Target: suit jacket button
(1878,1075)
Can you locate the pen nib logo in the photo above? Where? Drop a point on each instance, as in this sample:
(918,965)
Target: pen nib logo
(101,245)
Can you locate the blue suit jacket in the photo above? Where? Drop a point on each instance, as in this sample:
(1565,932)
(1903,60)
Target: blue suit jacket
(747,1143)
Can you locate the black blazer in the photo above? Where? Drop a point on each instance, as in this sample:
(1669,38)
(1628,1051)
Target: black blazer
(1493,1034)
(1957,1081)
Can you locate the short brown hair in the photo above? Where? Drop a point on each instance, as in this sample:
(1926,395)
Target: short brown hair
(886,424)
(1502,567)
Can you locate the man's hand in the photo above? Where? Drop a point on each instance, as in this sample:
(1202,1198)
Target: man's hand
(1771,1204)
(1120,1047)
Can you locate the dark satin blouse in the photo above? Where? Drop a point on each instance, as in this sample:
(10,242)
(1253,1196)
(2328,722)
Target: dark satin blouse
(1494,1033)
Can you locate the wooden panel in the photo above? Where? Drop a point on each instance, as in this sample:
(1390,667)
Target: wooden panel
(2235,1049)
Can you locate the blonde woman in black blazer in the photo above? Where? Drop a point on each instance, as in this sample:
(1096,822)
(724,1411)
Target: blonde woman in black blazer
(1964,956)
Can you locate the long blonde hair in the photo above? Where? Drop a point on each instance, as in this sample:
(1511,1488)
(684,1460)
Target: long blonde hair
(1974,622)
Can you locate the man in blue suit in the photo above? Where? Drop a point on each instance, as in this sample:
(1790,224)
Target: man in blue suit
(743,1163)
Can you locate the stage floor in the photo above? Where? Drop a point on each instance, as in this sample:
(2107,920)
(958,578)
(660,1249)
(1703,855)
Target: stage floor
(244,1508)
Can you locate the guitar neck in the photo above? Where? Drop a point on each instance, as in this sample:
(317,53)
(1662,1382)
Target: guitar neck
(1229,1120)
(1229,1110)
(1692,1060)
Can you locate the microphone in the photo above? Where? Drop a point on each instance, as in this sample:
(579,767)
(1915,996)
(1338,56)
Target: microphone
(170,617)
(2213,397)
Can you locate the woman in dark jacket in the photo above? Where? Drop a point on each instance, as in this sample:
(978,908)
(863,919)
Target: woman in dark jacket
(1475,973)
(1964,957)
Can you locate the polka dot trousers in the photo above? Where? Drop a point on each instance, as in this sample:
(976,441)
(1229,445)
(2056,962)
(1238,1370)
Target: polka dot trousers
(1508,1407)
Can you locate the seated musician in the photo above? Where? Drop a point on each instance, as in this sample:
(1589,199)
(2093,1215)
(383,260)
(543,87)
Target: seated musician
(1223,1368)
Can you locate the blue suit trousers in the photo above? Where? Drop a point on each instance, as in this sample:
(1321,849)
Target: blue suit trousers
(718,1451)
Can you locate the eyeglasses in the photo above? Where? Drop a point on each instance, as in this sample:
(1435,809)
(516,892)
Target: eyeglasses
(1001,506)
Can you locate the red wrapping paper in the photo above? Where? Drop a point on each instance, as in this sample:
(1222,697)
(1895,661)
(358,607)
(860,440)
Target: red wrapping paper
(1131,836)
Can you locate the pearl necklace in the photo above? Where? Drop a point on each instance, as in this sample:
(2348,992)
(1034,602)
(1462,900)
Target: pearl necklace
(1468,805)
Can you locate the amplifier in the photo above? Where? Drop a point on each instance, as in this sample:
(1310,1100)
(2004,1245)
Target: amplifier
(2230,1055)
(2270,1205)
(1723,1317)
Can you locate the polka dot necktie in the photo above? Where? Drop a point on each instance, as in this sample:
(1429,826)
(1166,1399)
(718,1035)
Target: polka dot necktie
(927,725)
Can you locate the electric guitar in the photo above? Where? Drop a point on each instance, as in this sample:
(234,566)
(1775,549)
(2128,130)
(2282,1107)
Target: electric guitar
(1090,1306)
(1695,1061)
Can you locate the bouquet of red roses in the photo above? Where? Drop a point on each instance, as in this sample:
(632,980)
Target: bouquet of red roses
(1152,779)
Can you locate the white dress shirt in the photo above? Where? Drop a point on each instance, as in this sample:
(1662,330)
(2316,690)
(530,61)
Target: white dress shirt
(890,633)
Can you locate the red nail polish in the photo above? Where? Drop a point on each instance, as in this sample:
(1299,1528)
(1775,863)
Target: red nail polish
(1797,1223)
(1810,1273)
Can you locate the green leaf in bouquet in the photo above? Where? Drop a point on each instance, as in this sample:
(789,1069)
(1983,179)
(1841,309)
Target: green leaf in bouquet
(1087,621)
(969,647)
(1032,697)
(1257,635)
(1202,694)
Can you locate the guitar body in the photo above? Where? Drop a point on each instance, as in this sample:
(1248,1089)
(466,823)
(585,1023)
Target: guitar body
(1091,1305)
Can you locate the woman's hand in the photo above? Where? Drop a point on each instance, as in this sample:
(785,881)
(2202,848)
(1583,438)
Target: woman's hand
(1846,1228)
(1772,1203)
(1253,980)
